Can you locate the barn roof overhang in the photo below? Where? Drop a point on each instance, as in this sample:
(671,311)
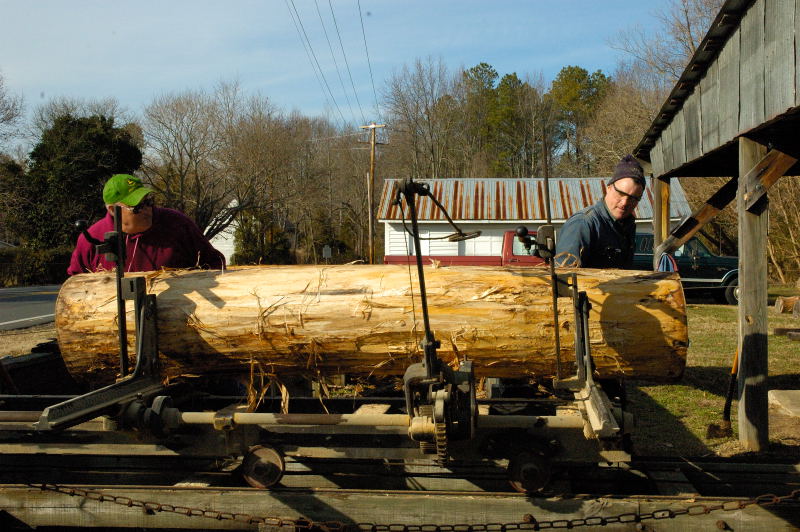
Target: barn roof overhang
(723,26)
(777,131)
(781,133)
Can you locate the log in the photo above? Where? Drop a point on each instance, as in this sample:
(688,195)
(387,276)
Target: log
(785,304)
(359,319)
(783,331)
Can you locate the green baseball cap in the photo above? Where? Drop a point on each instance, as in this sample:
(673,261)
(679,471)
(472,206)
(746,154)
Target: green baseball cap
(124,188)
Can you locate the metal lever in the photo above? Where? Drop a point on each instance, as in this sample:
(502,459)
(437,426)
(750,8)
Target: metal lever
(113,247)
(409,189)
(83,227)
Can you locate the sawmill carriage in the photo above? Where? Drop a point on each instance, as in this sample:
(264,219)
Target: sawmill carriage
(510,371)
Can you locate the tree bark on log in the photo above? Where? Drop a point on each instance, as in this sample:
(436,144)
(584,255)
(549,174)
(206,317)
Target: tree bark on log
(359,319)
(785,304)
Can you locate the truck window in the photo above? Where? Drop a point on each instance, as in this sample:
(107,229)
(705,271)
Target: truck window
(644,243)
(692,247)
(699,248)
(518,249)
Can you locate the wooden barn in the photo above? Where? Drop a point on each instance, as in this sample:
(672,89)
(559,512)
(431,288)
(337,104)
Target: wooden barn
(735,112)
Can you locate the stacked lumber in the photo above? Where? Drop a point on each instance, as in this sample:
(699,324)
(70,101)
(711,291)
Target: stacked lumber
(357,319)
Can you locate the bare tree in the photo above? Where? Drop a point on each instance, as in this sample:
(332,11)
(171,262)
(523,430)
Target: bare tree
(666,50)
(622,118)
(419,100)
(179,163)
(205,152)
(46,114)
(543,116)
(10,111)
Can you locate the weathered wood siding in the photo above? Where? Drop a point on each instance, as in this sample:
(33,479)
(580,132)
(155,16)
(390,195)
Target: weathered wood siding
(729,89)
(779,60)
(753,79)
(709,103)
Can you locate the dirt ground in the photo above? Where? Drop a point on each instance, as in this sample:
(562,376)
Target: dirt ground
(784,435)
(21,341)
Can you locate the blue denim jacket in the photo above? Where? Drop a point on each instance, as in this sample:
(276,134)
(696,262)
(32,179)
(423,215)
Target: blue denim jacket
(596,239)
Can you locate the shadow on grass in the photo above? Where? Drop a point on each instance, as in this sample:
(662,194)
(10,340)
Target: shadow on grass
(715,379)
(658,431)
(711,379)
(783,382)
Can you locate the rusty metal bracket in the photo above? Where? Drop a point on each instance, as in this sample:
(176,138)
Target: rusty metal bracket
(763,175)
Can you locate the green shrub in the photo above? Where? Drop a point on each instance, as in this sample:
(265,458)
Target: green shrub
(23,266)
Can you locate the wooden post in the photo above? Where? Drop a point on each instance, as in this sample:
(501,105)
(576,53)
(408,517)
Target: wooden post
(752,331)
(661,190)
(371,189)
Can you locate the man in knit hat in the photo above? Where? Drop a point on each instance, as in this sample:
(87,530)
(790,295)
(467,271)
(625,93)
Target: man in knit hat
(602,235)
(155,237)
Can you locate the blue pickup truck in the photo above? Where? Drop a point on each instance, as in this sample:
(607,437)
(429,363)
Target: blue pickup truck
(700,270)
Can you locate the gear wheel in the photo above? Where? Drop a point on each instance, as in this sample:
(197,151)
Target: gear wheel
(440,435)
(427,447)
(440,425)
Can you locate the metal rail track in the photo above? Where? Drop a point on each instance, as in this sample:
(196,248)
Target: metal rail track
(154,466)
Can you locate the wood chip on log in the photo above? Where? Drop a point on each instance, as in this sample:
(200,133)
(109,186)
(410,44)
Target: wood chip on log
(358,319)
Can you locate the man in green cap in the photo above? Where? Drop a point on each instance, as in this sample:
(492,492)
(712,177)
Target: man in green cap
(155,237)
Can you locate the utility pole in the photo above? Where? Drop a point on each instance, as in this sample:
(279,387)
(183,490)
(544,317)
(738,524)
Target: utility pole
(371,187)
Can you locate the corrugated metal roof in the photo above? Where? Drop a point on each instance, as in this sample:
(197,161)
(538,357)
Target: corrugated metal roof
(516,199)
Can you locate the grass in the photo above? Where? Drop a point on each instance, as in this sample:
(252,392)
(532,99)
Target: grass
(673,419)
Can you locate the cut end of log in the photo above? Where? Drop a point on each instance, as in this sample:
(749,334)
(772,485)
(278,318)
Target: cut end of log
(786,304)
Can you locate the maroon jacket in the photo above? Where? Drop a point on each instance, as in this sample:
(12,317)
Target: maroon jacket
(173,241)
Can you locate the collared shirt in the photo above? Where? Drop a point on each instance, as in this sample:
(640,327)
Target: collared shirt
(173,241)
(596,239)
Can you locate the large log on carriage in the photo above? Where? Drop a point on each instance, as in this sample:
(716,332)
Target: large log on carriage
(367,320)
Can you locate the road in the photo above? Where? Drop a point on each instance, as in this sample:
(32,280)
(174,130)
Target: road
(27,306)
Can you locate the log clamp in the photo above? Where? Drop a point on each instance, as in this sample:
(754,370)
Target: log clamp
(595,403)
(145,379)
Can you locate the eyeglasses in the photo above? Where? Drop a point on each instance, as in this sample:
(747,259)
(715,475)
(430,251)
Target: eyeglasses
(148,201)
(636,199)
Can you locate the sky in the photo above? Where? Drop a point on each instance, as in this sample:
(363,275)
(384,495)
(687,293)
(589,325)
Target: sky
(137,51)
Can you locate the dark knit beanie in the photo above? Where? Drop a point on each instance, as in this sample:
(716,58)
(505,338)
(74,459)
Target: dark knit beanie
(629,167)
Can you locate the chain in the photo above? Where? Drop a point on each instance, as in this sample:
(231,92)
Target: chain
(528,522)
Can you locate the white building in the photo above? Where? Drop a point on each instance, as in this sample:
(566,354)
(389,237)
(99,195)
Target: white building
(494,206)
(224,242)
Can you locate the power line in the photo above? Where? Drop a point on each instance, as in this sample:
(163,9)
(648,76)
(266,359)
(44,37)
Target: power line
(344,135)
(369,63)
(311,48)
(335,63)
(347,64)
(305,47)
